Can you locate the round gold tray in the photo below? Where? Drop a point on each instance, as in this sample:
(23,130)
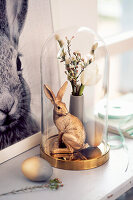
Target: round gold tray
(85,159)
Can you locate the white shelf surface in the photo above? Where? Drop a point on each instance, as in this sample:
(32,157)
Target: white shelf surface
(108,181)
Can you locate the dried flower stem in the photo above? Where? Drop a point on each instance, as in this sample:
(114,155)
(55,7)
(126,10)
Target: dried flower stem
(53,184)
(68,46)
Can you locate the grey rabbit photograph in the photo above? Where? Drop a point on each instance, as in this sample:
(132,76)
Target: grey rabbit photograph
(16,120)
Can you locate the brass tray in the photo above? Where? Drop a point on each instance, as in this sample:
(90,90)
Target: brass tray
(88,158)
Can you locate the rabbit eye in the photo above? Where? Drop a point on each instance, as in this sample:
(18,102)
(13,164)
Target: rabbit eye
(59,107)
(19,64)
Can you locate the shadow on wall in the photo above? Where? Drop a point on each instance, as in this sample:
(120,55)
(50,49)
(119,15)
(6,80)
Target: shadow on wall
(37,28)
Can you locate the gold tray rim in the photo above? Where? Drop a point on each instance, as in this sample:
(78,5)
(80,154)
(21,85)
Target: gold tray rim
(76,164)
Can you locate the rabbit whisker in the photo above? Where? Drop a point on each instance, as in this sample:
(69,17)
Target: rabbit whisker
(22,108)
(25,111)
(24,100)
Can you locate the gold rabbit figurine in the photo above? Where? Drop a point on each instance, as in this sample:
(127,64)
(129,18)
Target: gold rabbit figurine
(71,130)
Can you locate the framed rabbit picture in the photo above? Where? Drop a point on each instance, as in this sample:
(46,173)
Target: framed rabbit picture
(24,27)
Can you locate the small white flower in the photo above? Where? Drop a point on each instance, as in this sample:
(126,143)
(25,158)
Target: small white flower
(77,52)
(71,66)
(91,75)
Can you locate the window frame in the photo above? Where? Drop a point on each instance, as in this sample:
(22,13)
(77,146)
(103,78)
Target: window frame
(115,44)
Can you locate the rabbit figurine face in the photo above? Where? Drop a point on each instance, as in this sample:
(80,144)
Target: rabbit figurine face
(71,130)
(60,108)
(16,121)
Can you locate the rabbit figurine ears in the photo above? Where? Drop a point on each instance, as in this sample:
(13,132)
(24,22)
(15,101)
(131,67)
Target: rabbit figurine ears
(13,14)
(50,94)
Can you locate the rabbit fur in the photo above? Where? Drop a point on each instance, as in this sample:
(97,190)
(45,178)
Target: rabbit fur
(70,128)
(16,121)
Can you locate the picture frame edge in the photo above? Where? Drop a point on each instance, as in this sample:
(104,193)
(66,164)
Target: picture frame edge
(20,147)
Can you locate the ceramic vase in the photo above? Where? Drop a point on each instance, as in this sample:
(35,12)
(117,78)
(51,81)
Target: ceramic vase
(76,106)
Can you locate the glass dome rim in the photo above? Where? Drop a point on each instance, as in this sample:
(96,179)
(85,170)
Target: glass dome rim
(77,29)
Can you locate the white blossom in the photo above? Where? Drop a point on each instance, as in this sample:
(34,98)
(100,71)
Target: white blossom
(91,75)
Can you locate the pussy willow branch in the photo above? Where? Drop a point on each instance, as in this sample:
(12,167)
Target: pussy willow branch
(68,48)
(75,64)
(53,184)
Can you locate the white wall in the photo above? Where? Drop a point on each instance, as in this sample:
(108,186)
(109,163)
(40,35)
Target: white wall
(68,13)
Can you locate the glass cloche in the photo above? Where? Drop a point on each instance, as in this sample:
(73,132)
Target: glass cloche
(74,80)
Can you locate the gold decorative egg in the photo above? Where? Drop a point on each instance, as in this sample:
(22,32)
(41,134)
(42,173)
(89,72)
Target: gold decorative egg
(37,169)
